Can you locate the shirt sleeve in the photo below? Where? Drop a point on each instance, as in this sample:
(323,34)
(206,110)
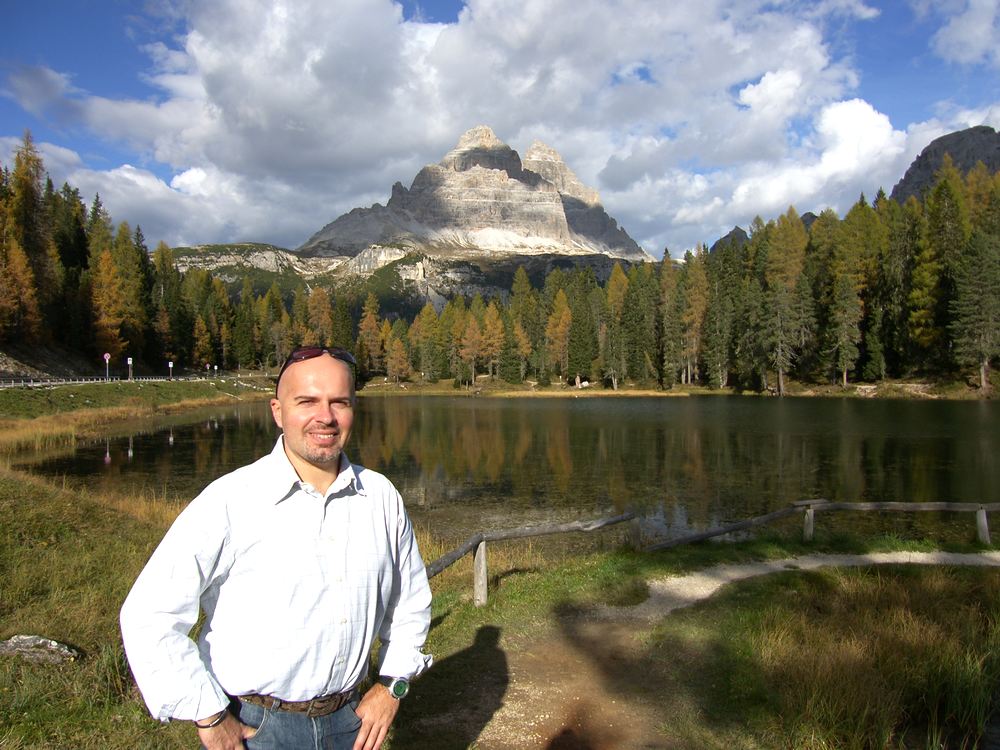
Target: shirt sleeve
(408,617)
(163,607)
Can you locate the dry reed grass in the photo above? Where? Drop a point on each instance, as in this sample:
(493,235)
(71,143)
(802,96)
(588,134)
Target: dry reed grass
(876,654)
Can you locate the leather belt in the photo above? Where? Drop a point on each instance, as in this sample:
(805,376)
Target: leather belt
(313,708)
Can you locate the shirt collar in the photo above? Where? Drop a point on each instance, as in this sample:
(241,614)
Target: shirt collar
(282,479)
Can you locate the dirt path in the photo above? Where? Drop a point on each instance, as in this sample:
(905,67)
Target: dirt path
(582,686)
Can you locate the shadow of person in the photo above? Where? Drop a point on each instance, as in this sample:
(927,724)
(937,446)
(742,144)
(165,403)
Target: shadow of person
(449,706)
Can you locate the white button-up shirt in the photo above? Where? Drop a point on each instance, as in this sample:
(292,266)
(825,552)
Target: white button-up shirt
(294,586)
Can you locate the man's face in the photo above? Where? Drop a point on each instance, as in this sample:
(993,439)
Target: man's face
(315,410)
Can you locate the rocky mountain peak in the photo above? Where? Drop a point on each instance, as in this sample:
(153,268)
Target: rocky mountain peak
(480,200)
(480,147)
(546,161)
(966,147)
(481,136)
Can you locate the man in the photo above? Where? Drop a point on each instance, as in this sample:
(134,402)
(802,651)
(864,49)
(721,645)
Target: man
(297,561)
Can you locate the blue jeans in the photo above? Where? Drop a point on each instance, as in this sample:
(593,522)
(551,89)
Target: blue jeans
(284,730)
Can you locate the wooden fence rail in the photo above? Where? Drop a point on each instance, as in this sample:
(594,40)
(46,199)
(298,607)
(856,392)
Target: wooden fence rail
(809,508)
(476,545)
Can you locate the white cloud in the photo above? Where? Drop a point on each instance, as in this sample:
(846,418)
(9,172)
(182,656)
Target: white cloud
(972,34)
(267,120)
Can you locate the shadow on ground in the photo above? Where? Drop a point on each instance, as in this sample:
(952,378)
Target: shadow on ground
(475,679)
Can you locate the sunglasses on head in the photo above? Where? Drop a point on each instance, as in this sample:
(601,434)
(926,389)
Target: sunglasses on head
(302,353)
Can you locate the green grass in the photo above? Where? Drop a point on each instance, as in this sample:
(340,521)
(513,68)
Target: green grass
(66,565)
(887,657)
(27,403)
(839,658)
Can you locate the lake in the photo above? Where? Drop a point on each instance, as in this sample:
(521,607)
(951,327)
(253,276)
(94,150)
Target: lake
(466,464)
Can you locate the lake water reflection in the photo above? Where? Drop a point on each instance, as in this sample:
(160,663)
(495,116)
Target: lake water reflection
(465,464)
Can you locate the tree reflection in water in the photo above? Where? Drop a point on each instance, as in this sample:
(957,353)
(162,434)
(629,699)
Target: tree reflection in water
(464,464)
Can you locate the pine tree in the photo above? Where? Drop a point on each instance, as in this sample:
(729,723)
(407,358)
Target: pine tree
(451,326)
(525,306)
(639,324)
(510,360)
(670,325)
(135,294)
(904,228)
(397,360)
(978,194)
(106,302)
(27,224)
(493,337)
(369,331)
(69,227)
(471,346)
(583,329)
(20,313)
(975,309)
(693,315)
(424,335)
(947,235)
(751,345)
(171,314)
(782,271)
(845,333)
(245,334)
(343,325)
(524,348)
(204,351)
(100,234)
(557,333)
(303,330)
(717,333)
(274,324)
(320,316)
(613,351)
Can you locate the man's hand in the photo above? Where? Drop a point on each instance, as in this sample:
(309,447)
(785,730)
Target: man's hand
(377,710)
(228,735)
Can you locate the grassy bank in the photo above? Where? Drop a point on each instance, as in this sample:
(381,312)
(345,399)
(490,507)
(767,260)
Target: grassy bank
(831,659)
(55,416)
(881,658)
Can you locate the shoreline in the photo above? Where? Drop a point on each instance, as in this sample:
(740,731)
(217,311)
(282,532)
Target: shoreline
(917,390)
(74,410)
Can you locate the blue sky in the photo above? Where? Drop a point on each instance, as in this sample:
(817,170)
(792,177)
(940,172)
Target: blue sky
(233,120)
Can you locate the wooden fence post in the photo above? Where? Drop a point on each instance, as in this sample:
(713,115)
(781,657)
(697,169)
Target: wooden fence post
(480,576)
(982,526)
(808,525)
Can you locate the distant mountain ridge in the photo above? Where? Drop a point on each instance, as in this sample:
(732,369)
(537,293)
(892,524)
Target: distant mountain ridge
(966,147)
(468,222)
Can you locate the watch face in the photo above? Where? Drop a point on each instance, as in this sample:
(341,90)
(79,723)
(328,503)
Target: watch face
(399,688)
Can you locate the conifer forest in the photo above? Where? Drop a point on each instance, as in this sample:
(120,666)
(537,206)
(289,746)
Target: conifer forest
(886,291)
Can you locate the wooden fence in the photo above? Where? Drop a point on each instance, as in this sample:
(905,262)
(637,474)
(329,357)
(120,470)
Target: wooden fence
(476,545)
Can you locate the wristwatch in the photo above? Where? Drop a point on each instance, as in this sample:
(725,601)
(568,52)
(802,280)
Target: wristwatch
(398,687)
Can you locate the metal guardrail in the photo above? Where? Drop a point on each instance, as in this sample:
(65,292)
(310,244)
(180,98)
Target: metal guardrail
(28,382)
(48,382)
